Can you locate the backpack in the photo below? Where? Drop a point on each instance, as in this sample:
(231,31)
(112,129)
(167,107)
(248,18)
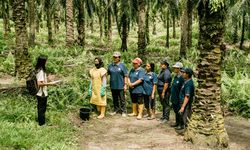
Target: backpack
(31,83)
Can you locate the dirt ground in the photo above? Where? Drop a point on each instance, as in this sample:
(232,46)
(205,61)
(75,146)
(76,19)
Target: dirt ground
(117,133)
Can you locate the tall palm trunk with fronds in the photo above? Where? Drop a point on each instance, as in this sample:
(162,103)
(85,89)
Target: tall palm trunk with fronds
(81,23)
(206,126)
(141,29)
(32,25)
(242,38)
(22,57)
(124,25)
(174,29)
(147,21)
(56,17)
(167,37)
(190,23)
(48,15)
(184,31)
(69,23)
(109,23)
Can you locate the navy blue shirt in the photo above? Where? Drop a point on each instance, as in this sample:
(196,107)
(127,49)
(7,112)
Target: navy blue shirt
(187,89)
(149,80)
(164,77)
(117,74)
(135,75)
(176,88)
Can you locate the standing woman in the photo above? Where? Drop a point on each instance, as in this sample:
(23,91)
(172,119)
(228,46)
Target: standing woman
(98,86)
(42,93)
(136,90)
(163,88)
(149,85)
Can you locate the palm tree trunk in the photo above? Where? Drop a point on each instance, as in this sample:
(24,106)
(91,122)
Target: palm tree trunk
(81,23)
(106,24)
(109,24)
(189,25)
(141,30)
(235,32)
(5,14)
(206,126)
(184,32)
(147,22)
(49,26)
(174,30)
(124,25)
(167,37)
(92,24)
(69,23)
(22,57)
(56,17)
(243,30)
(32,25)
(101,27)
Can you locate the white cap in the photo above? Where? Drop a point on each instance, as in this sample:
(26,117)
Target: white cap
(117,54)
(178,65)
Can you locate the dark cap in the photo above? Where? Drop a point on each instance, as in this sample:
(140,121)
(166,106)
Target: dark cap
(188,71)
(165,62)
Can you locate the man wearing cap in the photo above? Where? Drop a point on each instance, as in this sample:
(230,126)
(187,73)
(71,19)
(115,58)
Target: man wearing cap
(136,89)
(186,97)
(163,88)
(175,92)
(118,84)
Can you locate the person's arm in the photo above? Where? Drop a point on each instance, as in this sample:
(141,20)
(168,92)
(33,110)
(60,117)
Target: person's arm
(186,99)
(42,83)
(137,82)
(125,83)
(165,87)
(153,92)
(140,79)
(104,80)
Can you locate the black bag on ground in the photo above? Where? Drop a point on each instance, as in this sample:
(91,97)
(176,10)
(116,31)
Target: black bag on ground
(31,83)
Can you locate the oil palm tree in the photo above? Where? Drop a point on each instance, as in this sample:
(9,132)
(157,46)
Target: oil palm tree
(32,25)
(69,23)
(22,57)
(141,29)
(206,126)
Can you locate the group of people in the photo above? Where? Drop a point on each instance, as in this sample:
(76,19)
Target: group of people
(142,85)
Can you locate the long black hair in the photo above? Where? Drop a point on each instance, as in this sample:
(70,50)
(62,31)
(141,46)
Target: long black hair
(152,65)
(41,61)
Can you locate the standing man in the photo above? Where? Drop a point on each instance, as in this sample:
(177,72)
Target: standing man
(118,84)
(186,97)
(175,92)
(163,88)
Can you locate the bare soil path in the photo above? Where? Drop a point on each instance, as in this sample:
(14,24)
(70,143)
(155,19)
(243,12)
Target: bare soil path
(117,133)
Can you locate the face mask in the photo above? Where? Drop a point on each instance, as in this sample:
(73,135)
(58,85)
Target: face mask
(97,66)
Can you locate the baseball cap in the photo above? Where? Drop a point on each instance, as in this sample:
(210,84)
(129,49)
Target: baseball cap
(178,65)
(116,54)
(137,60)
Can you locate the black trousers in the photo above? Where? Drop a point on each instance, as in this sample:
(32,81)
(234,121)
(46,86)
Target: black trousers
(41,109)
(119,101)
(186,115)
(165,105)
(149,102)
(176,108)
(137,98)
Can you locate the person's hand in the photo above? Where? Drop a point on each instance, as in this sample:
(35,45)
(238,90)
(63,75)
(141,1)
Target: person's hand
(162,94)
(152,96)
(131,85)
(125,88)
(181,110)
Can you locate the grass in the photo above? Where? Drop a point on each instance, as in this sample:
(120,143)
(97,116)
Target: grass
(18,126)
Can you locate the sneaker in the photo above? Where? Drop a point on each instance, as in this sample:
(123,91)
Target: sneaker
(124,115)
(113,113)
(163,121)
(174,125)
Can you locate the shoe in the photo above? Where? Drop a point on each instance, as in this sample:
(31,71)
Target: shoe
(113,113)
(140,114)
(134,109)
(180,128)
(174,125)
(163,121)
(124,115)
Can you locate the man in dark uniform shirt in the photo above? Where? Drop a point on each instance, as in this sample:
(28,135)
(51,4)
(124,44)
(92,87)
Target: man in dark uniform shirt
(186,97)
(175,92)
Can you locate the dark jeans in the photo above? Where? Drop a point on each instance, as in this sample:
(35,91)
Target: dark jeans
(137,98)
(165,105)
(186,115)
(149,102)
(41,109)
(119,101)
(176,108)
